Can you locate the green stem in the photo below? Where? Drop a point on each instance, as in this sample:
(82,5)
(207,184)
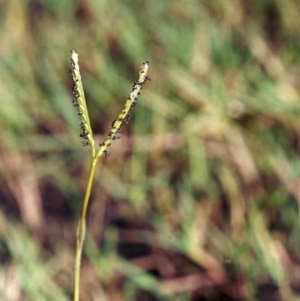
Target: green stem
(82,228)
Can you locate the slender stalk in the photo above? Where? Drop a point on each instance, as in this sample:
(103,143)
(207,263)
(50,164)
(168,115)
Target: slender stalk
(82,228)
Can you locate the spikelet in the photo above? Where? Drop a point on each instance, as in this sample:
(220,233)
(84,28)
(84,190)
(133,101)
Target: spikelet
(80,103)
(124,116)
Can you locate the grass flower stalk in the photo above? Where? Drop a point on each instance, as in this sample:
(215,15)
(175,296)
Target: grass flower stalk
(87,135)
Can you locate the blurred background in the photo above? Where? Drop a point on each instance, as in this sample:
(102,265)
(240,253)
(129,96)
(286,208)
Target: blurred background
(199,199)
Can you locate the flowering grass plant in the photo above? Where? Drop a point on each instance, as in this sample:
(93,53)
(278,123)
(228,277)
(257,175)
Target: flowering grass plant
(88,140)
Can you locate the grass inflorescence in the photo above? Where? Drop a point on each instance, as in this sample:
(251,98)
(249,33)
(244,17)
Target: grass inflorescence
(87,134)
(80,103)
(124,116)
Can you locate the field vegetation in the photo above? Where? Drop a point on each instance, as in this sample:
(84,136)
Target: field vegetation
(199,199)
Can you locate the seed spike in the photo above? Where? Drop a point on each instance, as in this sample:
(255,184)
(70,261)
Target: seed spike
(79,100)
(124,116)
